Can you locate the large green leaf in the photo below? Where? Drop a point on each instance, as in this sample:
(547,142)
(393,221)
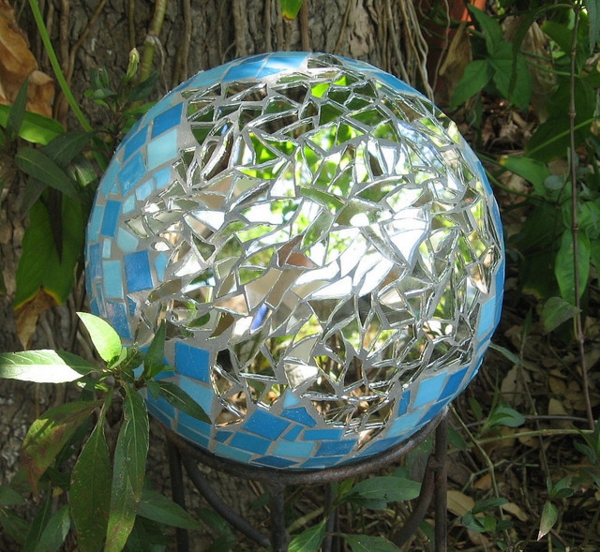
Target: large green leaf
(34,128)
(17,113)
(36,163)
(555,312)
(44,366)
(55,532)
(491,28)
(182,401)
(376,492)
(64,148)
(517,91)
(90,490)
(40,266)
(154,359)
(49,434)
(564,268)
(475,78)
(366,543)
(309,540)
(159,508)
(105,339)
(290,8)
(128,471)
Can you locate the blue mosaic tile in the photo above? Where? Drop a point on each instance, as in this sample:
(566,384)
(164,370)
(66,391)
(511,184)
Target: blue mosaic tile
(453,384)
(200,439)
(126,241)
(117,317)
(144,190)
(111,218)
(96,217)
(167,120)
(203,395)
(131,306)
(193,423)
(251,443)
(295,449)
(160,263)
(321,463)
(222,436)
(132,173)
(110,177)
(94,268)
(336,448)
(293,432)
(323,434)
(405,423)
(134,143)
(431,413)
(106,249)
(487,315)
(430,389)
(161,415)
(192,361)
(299,415)
(265,424)
(113,279)
(137,271)
(162,177)
(162,149)
(404,402)
(129,204)
(274,462)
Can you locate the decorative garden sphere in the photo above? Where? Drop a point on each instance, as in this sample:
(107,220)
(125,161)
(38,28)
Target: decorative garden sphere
(324,248)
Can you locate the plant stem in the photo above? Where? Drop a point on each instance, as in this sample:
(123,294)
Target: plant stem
(152,36)
(60,77)
(579,332)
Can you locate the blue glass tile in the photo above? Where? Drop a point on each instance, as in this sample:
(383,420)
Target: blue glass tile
(294,449)
(129,204)
(432,412)
(299,415)
(162,177)
(234,453)
(160,415)
(289,399)
(430,389)
(134,143)
(126,241)
(251,443)
(110,218)
(206,78)
(160,263)
(193,436)
(336,448)
(274,462)
(406,422)
(287,60)
(162,150)
(110,177)
(131,306)
(144,190)
(293,433)
(106,248)
(192,361)
(95,223)
(113,279)
(94,255)
(265,424)
(243,71)
(222,436)
(382,445)
(117,318)
(203,395)
(487,315)
(137,271)
(99,289)
(323,434)
(404,402)
(453,384)
(94,308)
(195,424)
(317,463)
(161,404)
(158,108)
(167,120)
(397,84)
(132,173)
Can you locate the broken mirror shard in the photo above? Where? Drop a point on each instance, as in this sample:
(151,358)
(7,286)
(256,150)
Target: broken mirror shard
(324,248)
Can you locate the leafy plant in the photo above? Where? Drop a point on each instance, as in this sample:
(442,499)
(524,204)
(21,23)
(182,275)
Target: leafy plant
(106,490)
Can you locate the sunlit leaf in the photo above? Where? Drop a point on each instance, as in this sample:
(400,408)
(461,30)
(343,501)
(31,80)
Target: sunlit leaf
(290,8)
(182,401)
(49,434)
(309,540)
(35,128)
(548,519)
(43,366)
(105,339)
(129,467)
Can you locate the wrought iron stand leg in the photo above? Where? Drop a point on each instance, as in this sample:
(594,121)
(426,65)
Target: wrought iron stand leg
(177,488)
(279,536)
(441,486)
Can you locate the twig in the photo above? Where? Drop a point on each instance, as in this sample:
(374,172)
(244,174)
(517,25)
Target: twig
(151,38)
(350,4)
(579,333)
(239,25)
(180,71)
(395,45)
(131,23)
(268,32)
(304,26)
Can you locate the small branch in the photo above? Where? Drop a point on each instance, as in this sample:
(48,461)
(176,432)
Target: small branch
(579,331)
(151,38)
(239,24)
(180,71)
(304,27)
(267,22)
(350,4)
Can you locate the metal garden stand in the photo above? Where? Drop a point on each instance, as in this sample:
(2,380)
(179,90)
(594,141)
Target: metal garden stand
(184,454)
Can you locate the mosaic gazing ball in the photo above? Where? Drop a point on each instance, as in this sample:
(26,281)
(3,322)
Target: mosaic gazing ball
(324,248)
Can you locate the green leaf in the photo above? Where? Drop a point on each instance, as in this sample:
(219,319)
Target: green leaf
(290,8)
(475,78)
(548,519)
(365,543)
(556,311)
(309,540)
(105,339)
(142,90)
(43,366)
(128,471)
(64,148)
(154,359)
(14,526)
(564,268)
(593,10)
(40,266)
(532,170)
(17,112)
(182,401)
(159,508)
(37,525)
(504,415)
(490,28)
(55,532)
(35,128)
(503,65)
(90,489)
(36,163)
(9,497)
(560,33)
(376,492)
(49,434)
